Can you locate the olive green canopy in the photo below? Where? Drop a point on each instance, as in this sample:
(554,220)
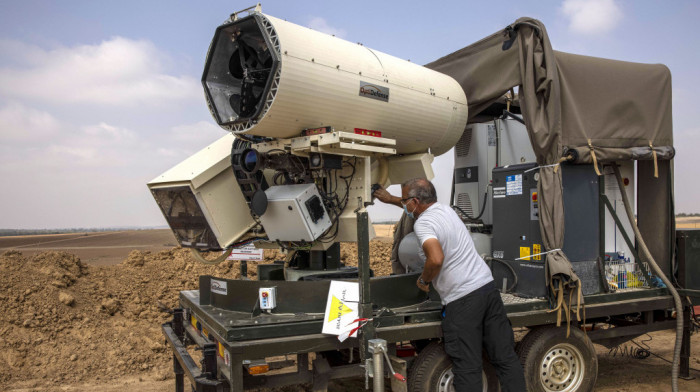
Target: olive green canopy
(568,100)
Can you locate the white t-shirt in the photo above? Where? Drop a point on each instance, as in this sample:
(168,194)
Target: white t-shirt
(463,270)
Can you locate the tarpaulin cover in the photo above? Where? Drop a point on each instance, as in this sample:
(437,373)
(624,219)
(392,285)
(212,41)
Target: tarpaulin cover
(568,100)
(583,107)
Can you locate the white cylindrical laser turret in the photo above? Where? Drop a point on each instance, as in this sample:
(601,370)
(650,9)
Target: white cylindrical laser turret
(272,78)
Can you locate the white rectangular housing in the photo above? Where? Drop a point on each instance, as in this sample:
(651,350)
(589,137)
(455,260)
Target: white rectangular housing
(201,200)
(482,147)
(294,213)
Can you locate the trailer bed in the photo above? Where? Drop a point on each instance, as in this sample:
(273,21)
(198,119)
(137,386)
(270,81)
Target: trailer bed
(241,338)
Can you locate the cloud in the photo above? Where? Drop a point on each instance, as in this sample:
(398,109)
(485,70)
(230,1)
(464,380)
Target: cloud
(19,123)
(592,17)
(320,24)
(197,133)
(181,141)
(106,131)
(22,53)
(117,72)
(71,153)
(97,146)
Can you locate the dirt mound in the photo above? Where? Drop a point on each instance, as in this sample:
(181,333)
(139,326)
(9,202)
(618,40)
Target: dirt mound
(65,322)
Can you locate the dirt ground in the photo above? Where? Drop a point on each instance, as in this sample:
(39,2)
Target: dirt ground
(688,222)
(95,248)
(72,325)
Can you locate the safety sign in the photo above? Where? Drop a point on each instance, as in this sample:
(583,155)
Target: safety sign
(341,308)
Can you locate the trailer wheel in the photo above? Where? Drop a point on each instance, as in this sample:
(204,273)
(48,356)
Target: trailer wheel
(554,363)
(432,372)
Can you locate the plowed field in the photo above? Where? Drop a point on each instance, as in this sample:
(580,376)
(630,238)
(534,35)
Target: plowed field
(85,315)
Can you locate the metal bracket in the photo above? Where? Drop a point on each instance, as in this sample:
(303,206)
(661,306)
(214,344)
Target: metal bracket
(344,143)
(377,346)
(255,8)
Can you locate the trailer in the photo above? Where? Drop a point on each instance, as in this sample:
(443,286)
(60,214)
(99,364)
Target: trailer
(542,180)
(236,348)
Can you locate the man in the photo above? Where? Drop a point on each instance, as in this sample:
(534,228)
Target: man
(402,229)
(473,314)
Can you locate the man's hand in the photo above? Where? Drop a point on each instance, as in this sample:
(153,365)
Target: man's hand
(423,287)
(382,195)
(385,197)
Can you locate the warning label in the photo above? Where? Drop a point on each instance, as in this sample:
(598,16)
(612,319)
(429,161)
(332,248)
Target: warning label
(525,252)
(247,252)
(514,185)
(536,248)
(341,308)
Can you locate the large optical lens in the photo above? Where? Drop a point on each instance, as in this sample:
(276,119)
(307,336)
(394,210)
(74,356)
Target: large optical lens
(249,160)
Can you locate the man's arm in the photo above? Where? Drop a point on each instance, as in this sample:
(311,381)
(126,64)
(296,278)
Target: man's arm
(386,197)
(433,262)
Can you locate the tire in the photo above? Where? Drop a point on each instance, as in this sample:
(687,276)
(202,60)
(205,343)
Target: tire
(554,363)
(432,372)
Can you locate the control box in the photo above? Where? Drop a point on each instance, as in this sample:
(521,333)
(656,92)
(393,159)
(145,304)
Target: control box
(516,227)
(294,213)
(267,297)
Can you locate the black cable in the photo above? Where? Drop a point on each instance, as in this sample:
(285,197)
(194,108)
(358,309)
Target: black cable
(631,352)
(512,271)
(657,355)
(483,207)
(340,204)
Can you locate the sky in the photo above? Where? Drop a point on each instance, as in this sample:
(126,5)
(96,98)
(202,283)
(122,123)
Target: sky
(98,98)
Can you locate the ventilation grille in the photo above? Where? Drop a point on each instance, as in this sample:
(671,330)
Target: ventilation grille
(462,147)
(465,203)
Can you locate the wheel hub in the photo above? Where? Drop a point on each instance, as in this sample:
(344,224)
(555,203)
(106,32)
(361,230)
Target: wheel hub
(562,368)
(445,382)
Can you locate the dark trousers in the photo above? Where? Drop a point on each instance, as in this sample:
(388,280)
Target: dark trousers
(478,321)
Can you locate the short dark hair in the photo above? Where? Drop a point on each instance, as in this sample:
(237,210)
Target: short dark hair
(421,189)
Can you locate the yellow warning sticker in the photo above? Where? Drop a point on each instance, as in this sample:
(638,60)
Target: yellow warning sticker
(339,309)
(525,252)
(536,248)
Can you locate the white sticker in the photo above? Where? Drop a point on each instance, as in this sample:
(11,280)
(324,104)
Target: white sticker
(219,287)
(247,252)
(341,308)
(493,137)
(227,357)
(497,254)
(499,192)
(514,185)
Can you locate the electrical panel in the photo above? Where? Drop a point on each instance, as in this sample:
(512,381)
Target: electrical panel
(517,239)
(267,297)
(294,213)
(688,242)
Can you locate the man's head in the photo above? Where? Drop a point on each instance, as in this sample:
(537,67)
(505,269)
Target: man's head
(417,195)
